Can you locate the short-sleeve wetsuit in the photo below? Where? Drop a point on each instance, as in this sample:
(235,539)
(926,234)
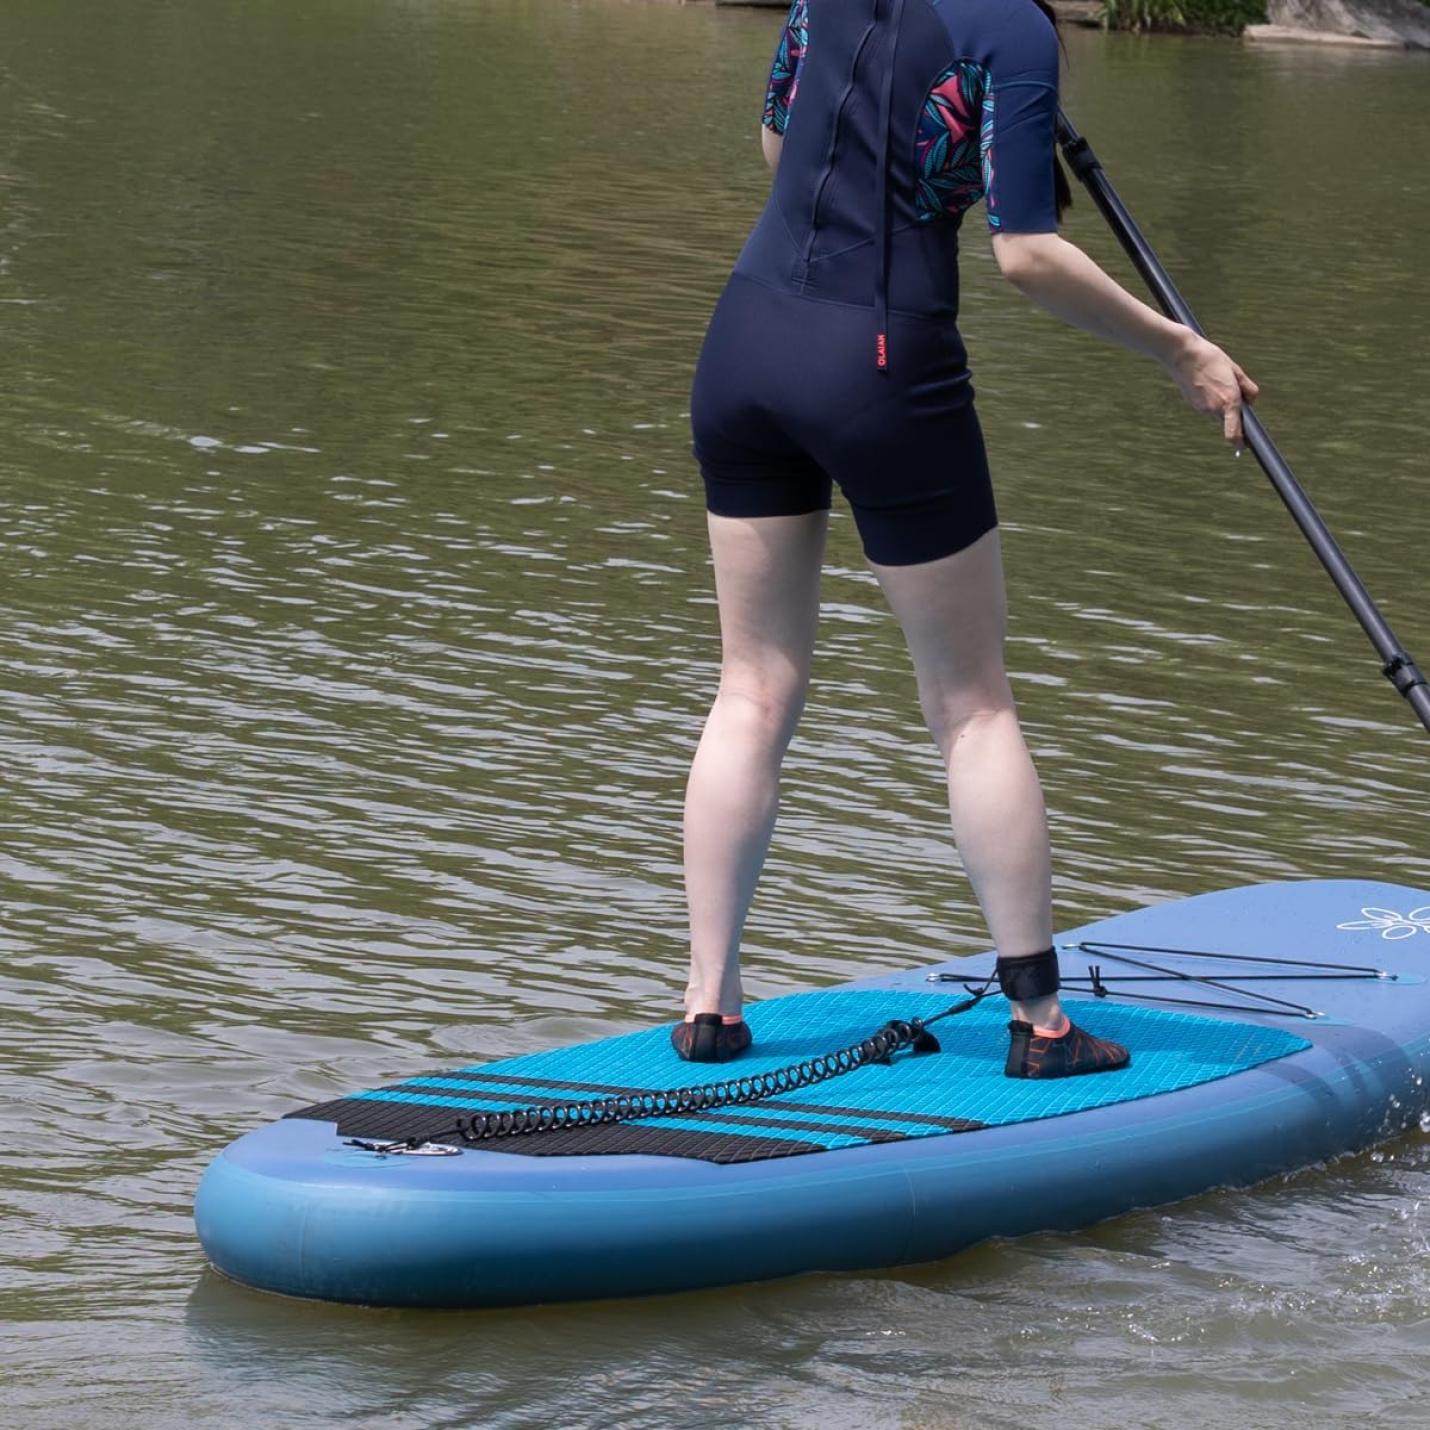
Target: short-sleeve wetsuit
(833,354)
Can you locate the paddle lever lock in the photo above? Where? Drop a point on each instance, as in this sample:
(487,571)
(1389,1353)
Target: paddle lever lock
(1402,672)
(1081,160)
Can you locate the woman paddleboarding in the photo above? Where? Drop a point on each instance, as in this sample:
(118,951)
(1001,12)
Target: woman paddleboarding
(833,357)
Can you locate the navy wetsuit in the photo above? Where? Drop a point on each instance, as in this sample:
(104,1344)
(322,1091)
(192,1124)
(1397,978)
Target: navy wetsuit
(833,353)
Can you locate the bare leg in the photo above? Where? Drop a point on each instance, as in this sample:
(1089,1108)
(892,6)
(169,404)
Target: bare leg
(954,615)
(767,583)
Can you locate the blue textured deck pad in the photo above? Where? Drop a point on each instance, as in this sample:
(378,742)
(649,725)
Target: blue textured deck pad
(958,1089)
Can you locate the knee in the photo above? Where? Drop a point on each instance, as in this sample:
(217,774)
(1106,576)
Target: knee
(767,703)
(952,720)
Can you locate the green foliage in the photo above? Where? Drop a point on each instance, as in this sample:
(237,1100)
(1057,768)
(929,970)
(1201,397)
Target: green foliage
(1143,15)
(1226,17)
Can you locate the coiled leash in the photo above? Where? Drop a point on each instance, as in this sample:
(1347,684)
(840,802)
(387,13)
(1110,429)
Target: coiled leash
(881,1047)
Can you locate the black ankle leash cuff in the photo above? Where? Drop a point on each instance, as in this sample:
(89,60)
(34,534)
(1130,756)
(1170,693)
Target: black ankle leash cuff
(1033,976)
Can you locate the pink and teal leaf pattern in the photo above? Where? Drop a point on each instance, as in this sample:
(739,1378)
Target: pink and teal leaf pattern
(985,160)
(784,75)
(953,146)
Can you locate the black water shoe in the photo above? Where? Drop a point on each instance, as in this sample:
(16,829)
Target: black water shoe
(1035,1052)
(710,1039)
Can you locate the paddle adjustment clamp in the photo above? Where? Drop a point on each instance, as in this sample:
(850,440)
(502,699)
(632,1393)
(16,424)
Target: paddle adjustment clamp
(1402,672)
(1080,158)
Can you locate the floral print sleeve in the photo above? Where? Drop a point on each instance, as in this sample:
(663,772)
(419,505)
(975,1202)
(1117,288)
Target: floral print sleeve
(784,74)
(951,145)
(987,126)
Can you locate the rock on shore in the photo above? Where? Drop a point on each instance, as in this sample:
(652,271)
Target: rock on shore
(1387,22)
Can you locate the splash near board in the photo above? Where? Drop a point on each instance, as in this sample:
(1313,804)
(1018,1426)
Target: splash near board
(1271,1026)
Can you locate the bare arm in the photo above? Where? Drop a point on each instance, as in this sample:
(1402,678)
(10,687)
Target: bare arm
(1060,277)
(771,144)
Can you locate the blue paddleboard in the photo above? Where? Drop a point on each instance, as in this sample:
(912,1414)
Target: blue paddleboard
(1271,1027)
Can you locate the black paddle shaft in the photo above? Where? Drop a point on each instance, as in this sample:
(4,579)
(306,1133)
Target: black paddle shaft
(1396,664)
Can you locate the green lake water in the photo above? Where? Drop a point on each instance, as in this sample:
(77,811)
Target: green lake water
(358,627)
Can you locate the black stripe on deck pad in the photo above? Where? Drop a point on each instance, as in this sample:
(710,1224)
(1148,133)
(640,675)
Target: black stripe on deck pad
(954,1124)
(396,1121)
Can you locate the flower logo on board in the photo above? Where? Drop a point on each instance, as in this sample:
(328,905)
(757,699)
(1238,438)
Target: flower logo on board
(1392,924)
